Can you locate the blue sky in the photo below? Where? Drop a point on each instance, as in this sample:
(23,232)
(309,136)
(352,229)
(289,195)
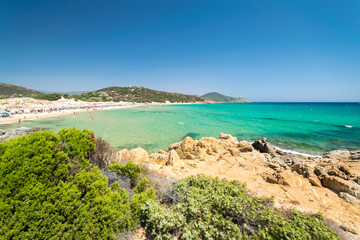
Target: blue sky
(264,50)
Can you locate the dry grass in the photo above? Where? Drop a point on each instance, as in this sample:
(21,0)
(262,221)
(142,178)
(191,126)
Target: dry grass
(104,154)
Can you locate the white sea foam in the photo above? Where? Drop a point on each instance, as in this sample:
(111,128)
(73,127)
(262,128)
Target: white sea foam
(294,152)
(297,153)
(348,126)
(181,123)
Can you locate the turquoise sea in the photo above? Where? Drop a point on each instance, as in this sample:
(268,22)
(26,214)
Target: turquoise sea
(312,128)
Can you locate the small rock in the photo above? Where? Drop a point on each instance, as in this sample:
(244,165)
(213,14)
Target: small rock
(272,179)
(314,181)
(245,146)
(355,155)
(225,136)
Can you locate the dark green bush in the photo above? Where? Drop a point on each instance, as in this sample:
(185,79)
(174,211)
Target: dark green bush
(130,169)
(49,96)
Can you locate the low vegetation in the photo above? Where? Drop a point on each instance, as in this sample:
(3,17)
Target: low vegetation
(51,96)
(135,94)
(51,186)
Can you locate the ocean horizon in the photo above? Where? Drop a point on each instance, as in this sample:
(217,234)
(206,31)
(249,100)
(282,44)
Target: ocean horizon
(305,127)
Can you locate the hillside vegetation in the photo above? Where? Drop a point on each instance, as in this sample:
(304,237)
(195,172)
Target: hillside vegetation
(218,97)
(135,94)
(51,187)
(12,91)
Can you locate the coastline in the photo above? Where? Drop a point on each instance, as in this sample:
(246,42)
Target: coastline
(31,116)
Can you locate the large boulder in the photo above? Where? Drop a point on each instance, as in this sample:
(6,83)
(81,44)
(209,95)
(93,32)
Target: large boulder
(263,146)
(244,146)
(174,159)
(138,155)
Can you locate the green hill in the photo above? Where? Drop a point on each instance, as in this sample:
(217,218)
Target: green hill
(218,97)
(9,90)
(135,94)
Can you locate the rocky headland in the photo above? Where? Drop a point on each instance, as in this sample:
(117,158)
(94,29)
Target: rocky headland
(329,184)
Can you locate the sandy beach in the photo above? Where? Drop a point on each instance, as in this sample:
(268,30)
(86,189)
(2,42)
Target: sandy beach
(76,107)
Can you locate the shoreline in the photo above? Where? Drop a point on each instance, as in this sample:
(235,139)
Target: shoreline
(33,116)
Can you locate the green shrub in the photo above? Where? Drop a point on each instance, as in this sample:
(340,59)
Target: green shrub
(42,197)
(160,222)
(141,186)
(130,169)
(79,145)
(139,199)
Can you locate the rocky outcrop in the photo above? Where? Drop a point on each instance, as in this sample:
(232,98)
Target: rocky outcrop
(4,136)
(329,184)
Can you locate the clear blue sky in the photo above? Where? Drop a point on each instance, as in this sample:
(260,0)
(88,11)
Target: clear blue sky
(264,50)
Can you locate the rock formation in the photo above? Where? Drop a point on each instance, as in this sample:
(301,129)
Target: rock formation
(330,184)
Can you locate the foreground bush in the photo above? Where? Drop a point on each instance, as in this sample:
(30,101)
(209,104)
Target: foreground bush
(48,189)
(207,208)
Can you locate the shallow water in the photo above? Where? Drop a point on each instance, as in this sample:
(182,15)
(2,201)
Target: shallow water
(312,128)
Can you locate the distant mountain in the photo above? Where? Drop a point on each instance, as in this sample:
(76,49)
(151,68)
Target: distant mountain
(9,90)
(218,97)
(135,94)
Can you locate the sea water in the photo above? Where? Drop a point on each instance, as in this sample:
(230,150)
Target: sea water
(312,128)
